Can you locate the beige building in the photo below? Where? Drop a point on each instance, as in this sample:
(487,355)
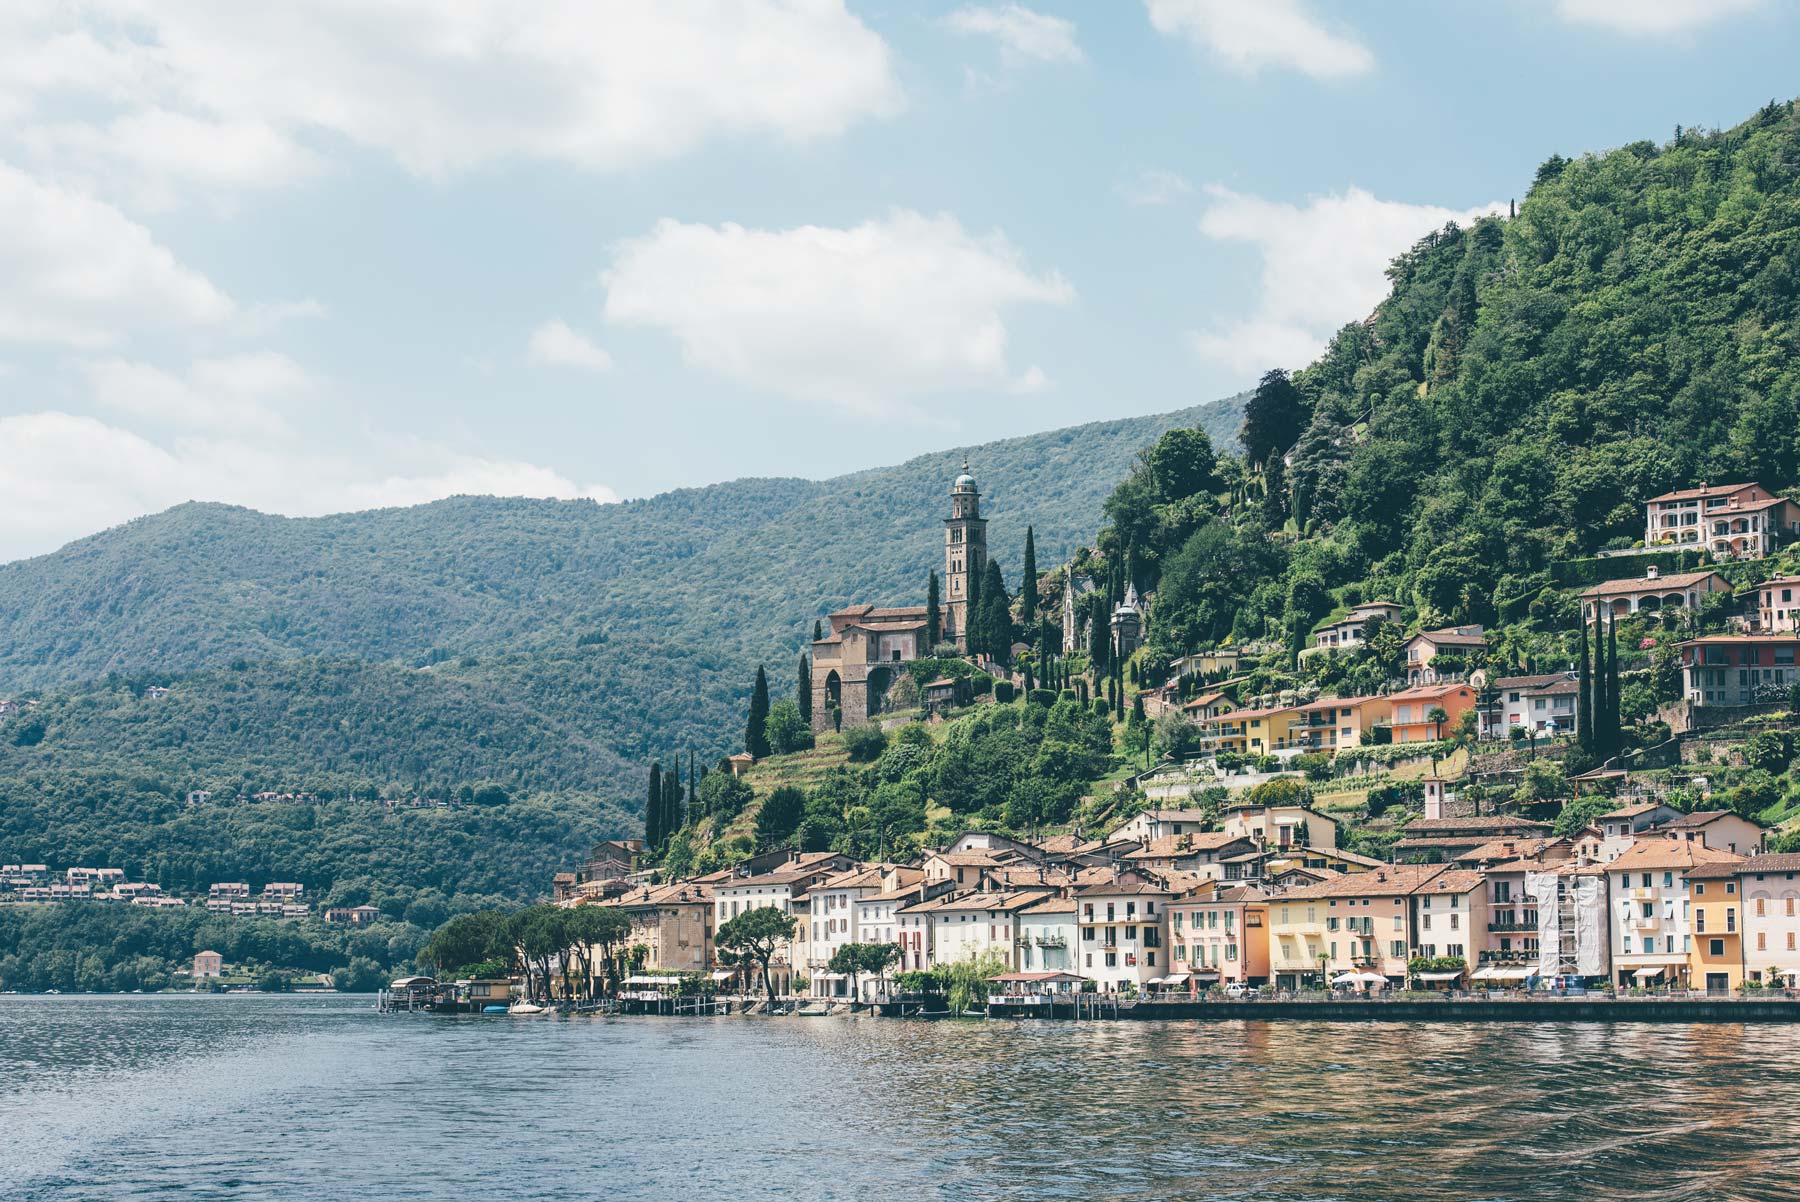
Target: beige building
(1124,931)
(208,964)
(1358,922)
(861,656)
(673,923)
(1770,886)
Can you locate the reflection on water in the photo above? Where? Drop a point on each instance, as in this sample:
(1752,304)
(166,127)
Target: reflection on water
(319,1098)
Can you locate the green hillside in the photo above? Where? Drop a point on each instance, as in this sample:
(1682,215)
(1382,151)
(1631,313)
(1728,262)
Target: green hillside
(549,648)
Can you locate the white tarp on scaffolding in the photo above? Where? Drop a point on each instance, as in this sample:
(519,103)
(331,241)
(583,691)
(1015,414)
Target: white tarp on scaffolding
(1578,910)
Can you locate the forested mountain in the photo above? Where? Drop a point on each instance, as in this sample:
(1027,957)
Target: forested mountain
(1525,387)
(551,648)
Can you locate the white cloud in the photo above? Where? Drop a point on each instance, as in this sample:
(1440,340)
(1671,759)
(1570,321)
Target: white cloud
(75,271)
(1155,186)
(63,476)
(554,344)
(235,393)
(224,95)
(1323,265)
(1652,17)
(1263,33)
(861,318)
(1023,35)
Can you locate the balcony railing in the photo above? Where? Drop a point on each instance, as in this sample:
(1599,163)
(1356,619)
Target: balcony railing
(1516,956)
(1506,928)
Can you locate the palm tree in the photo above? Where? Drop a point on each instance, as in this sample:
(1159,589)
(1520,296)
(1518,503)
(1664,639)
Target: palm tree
(1437,717)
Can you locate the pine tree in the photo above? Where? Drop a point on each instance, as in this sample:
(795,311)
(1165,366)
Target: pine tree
(653,809)
(1028,582)
(1584,698)
(803,688)
(756,742)
(934,618)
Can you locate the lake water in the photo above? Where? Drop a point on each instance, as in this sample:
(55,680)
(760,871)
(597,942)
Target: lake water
(321,1099)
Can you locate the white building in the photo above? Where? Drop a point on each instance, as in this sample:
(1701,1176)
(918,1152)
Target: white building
(1652,913)
(834,919)
(1124,931)
(1731,521)
(1048,935)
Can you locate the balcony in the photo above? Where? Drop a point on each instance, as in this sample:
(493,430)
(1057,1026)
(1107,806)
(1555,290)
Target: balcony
(1516,956)
(1513,928)
(1641,894)
(1052,941)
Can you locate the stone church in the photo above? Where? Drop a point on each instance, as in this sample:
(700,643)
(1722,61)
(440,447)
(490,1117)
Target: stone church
(855,663)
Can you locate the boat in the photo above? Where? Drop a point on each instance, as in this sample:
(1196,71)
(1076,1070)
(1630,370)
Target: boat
(526,1008)
(493,1010)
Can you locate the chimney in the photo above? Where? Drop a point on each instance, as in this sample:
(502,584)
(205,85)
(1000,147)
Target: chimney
(1650,572)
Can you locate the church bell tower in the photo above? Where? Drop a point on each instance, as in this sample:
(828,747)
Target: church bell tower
(965,554)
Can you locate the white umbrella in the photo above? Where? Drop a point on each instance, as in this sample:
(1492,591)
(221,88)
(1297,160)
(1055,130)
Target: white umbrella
(1348,978)
(1371,978)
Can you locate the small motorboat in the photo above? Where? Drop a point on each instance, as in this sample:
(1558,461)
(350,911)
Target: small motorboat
(526,1008)
(493,1010)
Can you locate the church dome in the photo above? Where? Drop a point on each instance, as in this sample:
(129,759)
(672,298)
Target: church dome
(964,481)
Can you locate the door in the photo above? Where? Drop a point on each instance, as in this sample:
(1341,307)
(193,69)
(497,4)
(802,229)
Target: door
(1718,984)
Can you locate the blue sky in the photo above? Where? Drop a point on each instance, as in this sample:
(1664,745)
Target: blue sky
(357,254)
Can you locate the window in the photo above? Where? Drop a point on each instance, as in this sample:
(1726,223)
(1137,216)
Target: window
(1627,945)
(1761,907)
(1762,942)
(1715,947)
(1399,947)
(1399,922)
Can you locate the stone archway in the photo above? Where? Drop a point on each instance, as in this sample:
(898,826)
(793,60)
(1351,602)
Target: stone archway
(879,681)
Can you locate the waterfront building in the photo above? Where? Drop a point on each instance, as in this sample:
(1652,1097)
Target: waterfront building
(1048,934)
(1219,935)
(1356,922)
(1573,919)
(1717,961)
(784,888)
(833,919)
(968,926)
(208,964)
(1450,921)
(1770,887)
(1124,932)
(1652,910)
(673,923)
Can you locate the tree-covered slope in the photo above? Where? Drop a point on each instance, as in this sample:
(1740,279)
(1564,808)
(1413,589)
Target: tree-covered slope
(1526,386)
(739,567)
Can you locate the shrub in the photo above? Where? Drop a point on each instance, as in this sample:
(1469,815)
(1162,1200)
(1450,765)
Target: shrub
(1043,697)
(865,743)
(1003,691)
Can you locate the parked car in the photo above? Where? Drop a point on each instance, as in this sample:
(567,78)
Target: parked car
(1237,989)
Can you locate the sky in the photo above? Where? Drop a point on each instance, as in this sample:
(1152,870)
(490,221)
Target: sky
(338,254)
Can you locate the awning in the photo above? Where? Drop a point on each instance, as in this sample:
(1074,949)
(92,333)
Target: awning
(1155,981)
(1176,978)
(1483,974)
(1437,976)
(1647,972)
(1513,974)
(723,974)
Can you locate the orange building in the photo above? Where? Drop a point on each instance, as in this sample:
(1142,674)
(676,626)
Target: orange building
(1412,711)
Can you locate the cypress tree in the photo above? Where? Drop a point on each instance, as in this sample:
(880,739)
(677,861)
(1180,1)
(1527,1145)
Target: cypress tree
(1602,692)
(1615,723)
(803,688)
(673,818)
(693,796)
(934,618)
(1028,582)
(756,741)
(1584,700)
(818,630)
(997,606)
(653,809)
(972,607)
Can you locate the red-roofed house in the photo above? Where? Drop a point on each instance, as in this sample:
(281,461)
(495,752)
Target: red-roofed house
(1737,521)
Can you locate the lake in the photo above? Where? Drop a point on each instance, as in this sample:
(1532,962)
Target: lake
(319,1098)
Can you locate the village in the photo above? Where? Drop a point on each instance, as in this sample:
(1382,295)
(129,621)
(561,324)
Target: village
(1481,893)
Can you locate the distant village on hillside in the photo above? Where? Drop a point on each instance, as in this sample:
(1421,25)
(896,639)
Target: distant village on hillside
(1486,886)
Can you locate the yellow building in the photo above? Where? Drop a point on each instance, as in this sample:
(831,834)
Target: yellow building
(1361,922)
(1716,957)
